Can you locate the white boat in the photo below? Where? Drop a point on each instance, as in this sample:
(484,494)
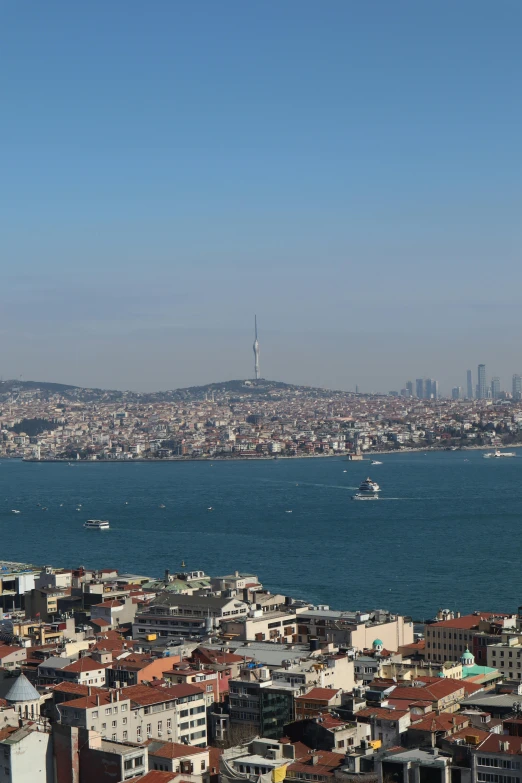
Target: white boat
(14,511)
(367,491)
(375,462)
(496,454)
(97,524)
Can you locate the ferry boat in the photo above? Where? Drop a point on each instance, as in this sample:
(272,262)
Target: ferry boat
(97,524)
(375,462)
(367,491)
(496,454)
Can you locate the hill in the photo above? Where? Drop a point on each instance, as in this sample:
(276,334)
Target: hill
(225,390)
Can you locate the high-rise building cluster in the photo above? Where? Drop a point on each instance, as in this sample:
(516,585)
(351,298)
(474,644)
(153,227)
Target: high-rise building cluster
(425,389)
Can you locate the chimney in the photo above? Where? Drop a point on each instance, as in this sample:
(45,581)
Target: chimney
(314,760)
(89,690)
(97,699)
(117,695)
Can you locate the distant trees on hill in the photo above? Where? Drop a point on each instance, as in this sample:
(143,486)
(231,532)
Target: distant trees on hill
(33,427)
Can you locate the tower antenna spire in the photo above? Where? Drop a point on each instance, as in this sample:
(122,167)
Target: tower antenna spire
(256,350)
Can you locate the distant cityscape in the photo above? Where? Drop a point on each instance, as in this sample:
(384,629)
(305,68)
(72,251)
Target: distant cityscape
(428,388)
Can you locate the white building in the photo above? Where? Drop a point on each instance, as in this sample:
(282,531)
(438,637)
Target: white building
(26,754)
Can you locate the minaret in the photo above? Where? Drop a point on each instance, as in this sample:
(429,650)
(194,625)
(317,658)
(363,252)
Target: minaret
(256,351)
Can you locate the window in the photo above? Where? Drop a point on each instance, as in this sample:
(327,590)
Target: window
(169,723)
(114,724)
(127,764)
(124,721)
(114,737)
(94,713)
(115,710)
(160,725)
(203,765)
(138,762)
(124,708)
(108,710)
(209,688)
(125,735)
(149,728)
(104,725)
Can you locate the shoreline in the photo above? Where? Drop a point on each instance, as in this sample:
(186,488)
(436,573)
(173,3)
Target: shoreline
(366,456)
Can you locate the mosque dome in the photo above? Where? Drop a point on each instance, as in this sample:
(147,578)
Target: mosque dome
(22,690)
(467,658)
(377,644)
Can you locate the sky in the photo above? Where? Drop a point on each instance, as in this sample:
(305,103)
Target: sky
(349,171)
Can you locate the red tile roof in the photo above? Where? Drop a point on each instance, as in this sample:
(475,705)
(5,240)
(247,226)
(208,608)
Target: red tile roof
(155,776)
(327,763)
(492,744)
(468,621)
(443,722)
(85,664)
(176,750)
(319,694)
(381,713)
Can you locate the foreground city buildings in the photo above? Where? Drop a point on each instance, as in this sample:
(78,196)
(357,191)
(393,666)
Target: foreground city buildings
(190,678)
(241,419)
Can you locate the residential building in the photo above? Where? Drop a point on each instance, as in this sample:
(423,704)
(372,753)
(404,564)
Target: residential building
(316,702)
(139,712)
(177,616)
(506,656)
(190,762)
(26,754)
(257,706)
(497,759)
(448,639)
(84,756)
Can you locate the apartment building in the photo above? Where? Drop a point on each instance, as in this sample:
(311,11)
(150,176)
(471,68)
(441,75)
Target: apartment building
(262,626)
(506,656)
(173,615)
(142,712)
(193,763)
(258,706)
(448,639)
(497,759)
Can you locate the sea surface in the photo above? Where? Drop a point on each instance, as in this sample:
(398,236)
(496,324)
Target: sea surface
(445,532)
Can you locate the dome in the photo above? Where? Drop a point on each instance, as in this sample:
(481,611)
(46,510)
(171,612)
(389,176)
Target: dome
(467,658)
(377,643)
(22,690)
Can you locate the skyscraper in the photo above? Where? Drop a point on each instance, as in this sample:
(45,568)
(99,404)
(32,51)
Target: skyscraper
(409,388)
(456,393)
(469,385)
(434,389)
(419,388)
(481,386)
(495,388)
(256,350)
(517,387)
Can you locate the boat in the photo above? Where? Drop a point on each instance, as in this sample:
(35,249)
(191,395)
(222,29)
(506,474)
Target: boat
(367,491)
(496,454)
(162,505)
(375,462)
(14,511)
(97,524)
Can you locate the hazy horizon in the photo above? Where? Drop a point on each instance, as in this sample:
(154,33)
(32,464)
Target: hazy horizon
(349,172)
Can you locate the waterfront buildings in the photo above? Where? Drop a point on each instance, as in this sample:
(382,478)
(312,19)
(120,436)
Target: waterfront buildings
(325,695)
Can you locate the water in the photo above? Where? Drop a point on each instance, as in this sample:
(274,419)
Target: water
(444,533)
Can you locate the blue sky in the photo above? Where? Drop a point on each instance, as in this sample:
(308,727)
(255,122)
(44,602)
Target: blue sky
(349,171)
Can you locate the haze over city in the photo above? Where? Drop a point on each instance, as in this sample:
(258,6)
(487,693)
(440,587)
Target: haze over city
(170,170)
